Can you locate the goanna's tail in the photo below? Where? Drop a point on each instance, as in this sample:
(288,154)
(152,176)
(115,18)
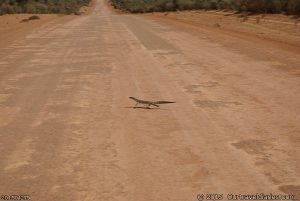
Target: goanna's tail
(163,102)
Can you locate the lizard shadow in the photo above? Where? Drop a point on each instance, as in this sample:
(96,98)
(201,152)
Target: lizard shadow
(145,108)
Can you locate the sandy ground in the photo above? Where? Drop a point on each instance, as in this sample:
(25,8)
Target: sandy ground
(68,130)
(11,27)
(280,28)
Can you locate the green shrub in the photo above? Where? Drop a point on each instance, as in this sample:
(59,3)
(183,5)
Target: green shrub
(255,6)
(186,4)
(41,6)
(276,6)
(293,7)
(7,9)
(30,8)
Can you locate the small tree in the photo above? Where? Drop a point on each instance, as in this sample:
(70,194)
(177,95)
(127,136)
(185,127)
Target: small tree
(293,7)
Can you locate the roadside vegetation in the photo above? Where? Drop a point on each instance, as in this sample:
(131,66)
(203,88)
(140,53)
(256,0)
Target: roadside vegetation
(291,7)
(41,6)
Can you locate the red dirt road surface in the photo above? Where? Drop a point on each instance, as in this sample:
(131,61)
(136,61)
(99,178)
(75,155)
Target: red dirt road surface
(68,130)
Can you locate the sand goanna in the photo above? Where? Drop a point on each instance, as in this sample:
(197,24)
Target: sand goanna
(149,103)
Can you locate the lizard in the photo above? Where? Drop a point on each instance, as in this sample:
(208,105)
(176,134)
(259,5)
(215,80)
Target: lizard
(149,103)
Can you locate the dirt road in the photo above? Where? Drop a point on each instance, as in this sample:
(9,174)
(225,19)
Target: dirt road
(68,130)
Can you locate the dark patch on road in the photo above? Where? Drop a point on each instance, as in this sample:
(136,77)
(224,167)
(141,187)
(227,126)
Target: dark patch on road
(194,88)
(214,104)
(291,190)
(252,146)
